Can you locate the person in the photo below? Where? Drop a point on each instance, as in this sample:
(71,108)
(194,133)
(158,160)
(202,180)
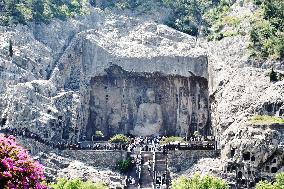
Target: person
(149,167)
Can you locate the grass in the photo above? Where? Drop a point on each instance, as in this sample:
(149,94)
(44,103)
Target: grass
(264,119)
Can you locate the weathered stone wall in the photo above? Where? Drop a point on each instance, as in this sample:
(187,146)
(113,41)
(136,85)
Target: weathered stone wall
(33,146)
(99,159)
(179,161)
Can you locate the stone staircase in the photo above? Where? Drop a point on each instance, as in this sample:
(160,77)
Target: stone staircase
(146,175)
(158,168)
(161,169)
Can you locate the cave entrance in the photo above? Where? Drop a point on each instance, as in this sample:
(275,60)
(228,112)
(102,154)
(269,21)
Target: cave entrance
(116,98)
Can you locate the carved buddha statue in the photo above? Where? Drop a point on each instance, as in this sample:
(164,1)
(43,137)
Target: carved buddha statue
(149,117)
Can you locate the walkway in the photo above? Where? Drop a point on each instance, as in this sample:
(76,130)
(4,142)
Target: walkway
(150,170)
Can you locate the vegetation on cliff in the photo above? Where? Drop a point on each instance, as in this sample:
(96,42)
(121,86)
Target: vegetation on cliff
(267,34)
(194,17)
(23,11)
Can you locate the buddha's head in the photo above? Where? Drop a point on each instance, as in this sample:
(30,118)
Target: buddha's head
(150,95)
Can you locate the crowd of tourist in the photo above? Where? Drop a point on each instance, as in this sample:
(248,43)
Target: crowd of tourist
(145,143)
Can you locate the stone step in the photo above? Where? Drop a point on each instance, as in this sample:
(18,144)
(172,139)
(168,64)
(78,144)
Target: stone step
(132,187)
(161,161)
(146,178)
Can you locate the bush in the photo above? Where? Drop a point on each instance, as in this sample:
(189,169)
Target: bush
(206,182)
(279,183)
(17,168)
(124,165)
(119,138)
(171,139)
(77,184)
(99,134)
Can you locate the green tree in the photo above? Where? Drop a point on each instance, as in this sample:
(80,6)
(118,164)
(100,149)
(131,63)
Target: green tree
(23,11)
(206,182)
(267,34)
(11,52)
(38,10)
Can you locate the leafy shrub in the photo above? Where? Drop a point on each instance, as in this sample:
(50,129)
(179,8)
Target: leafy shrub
(77,184)
(99,134)
(17,168)
(279,183)
(119,138)
(206,182)
(171,139)
(196,134)
(124,165)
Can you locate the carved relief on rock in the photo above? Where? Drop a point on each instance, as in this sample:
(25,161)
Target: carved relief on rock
(114,121)
(183,123)
(202,117)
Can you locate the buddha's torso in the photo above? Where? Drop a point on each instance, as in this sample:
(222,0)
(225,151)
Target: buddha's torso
(149,113)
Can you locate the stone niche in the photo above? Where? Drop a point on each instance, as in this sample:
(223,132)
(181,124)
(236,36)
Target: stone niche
(116,97)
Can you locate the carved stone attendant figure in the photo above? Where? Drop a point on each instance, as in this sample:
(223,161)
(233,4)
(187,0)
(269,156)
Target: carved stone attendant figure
(149,117)
(97,121)
(183,123)
(202,118)
(114,121)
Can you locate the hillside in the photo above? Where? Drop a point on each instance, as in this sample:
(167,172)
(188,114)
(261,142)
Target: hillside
(53,55)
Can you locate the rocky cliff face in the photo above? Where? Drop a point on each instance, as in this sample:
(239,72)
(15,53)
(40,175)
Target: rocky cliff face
(50,74)
(45,86)
(47,83)
(241,88)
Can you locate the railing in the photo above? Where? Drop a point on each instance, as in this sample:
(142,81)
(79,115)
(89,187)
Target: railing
(106,146)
